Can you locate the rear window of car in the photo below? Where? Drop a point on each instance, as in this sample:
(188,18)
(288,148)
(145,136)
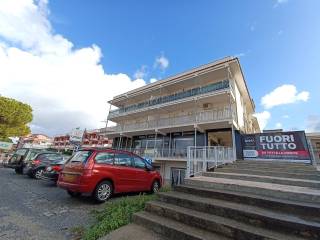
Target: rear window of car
(81,156)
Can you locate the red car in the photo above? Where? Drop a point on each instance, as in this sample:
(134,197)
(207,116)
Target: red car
(105,172)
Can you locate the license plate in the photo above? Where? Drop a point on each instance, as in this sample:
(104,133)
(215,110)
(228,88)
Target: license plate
(69,177)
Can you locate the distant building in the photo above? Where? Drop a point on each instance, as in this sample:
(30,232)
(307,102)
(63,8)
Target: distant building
(94,138)
(314,146)
(35,141)
(91,138)
(204,107)
(62,142)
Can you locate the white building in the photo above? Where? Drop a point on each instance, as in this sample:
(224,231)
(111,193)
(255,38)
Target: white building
(206,106)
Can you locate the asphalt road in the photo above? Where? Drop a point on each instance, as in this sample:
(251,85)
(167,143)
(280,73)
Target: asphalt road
(36,209)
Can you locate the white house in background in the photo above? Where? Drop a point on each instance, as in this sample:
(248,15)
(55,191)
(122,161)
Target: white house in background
(205,106)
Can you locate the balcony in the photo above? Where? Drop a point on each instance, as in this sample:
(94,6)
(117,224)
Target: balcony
(210,116)
(211,88)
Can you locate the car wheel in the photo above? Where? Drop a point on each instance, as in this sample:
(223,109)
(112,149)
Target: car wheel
(74,194)
(155,187)
(19,170)
(38,173)
(103,191)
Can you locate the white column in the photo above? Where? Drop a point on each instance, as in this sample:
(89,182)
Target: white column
(233,143)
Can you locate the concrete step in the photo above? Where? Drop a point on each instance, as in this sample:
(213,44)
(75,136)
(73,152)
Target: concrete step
(252,215)
(221,225)
(173,229)
(133,232)
(308,211)
(268,179)
(315,177)
(301,194)
(272,168)
(274,163)
(278,163)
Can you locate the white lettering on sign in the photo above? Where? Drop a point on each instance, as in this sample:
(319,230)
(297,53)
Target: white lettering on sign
(278,142)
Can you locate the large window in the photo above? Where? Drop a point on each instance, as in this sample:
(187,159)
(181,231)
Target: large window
(123,159)
(104,158)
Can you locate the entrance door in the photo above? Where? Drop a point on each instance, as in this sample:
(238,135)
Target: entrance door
(220,138)
(181,145)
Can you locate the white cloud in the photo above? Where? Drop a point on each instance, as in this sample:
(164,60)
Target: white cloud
(66,87)
(285,116)
(141,72)
(278,125)
(152,80)
(263,118)
(313,123)
(161,62)
(280,2)
(240,55)
(284,94)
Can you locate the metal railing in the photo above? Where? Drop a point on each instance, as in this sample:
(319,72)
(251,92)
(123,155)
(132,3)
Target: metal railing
(202,159)
(218,114)
(171,98)
(175,153)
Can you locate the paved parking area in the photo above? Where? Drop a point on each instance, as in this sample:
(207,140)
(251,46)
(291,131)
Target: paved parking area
(35,209)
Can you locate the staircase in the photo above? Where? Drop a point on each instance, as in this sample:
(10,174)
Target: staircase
(244,200)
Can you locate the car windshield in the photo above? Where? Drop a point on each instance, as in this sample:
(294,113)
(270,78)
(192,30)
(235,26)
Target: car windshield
(80,156)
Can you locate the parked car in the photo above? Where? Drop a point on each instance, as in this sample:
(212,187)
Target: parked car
(36,166)
(102,173)
(20,158)
(52,171)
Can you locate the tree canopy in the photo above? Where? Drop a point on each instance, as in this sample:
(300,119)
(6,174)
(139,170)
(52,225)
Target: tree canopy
(14,117)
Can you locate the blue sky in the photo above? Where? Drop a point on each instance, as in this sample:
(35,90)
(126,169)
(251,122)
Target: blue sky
(278,43)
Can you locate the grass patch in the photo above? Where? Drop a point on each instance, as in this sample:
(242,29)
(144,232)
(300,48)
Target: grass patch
(117,213)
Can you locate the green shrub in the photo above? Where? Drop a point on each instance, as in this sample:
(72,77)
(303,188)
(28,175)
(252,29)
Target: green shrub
(116,213)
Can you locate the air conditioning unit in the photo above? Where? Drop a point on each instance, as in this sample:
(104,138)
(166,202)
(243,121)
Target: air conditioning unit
(207,105)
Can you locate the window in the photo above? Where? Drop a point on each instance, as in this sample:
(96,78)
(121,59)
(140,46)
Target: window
(139,163)
(123,159)
(50,157)
(81,156)
(105,158)
(56,157)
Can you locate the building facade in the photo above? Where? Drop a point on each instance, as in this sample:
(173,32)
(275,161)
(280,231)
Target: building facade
(94,138)
(91,138)
(314,146)
(62,142)
(205,107)
(35,140)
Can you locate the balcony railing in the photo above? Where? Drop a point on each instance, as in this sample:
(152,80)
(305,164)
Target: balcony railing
(219,114)
(154,153)
(171,98)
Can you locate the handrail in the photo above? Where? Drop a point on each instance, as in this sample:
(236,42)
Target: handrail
(201,159)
